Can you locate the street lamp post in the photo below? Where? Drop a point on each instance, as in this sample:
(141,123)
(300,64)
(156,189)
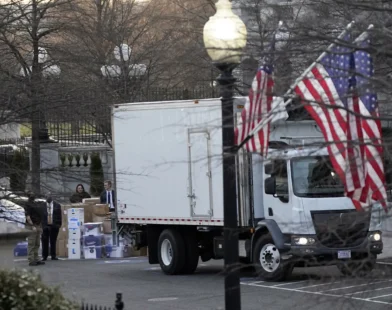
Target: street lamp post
(225,38)
(126,71)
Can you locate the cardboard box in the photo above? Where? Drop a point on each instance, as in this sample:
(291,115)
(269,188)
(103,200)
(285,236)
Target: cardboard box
(127,250)
(63,233)
(98,218)
(74,249)
(93,229)
(62,248)
(107,226)
(76,213)
(143,251)
(88,213)
(93,201)
(135,253)
(101,209)
(65,208)
(117,252)
(75,233)
(74,223)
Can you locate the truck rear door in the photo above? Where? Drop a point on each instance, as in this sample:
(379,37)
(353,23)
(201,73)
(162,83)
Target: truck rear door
(200,177)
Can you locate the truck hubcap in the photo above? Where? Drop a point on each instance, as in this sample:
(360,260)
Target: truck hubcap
(166,252)
(269,257)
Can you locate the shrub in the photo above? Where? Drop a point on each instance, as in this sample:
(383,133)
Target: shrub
(22,290)
(19,169)
(96,175)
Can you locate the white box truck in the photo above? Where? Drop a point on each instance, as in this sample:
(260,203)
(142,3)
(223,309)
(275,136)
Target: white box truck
(291,206)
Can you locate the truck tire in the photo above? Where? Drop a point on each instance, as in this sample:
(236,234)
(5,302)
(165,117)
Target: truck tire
(191,254)
(358,268)
(171,252)
(268,262)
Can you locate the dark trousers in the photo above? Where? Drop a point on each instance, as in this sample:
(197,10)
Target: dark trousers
(49,237)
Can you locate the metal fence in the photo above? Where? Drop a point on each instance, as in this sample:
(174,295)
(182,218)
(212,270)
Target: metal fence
(118,305)
(89,122)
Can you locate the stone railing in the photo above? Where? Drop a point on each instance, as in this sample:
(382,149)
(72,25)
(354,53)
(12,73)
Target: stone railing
(80,156)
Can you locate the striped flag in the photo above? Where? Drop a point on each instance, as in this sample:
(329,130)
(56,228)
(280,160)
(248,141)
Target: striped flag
(329,92)
(368,125)
(261,109)
(324,90)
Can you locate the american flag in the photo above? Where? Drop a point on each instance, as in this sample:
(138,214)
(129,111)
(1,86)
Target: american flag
(261,109)
(329,92)
(369,124)
(257,104)
(324,90)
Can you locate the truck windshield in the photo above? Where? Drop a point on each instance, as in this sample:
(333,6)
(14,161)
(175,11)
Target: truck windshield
(315,177)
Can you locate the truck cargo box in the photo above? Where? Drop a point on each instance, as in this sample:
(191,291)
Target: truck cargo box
(168,162)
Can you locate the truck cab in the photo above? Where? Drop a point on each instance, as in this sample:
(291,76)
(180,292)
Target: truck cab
(306,218)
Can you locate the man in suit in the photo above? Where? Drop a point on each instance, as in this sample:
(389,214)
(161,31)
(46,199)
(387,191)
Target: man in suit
(51,225)
(108,196)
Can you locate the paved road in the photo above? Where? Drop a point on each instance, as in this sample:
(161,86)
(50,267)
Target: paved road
(144,286)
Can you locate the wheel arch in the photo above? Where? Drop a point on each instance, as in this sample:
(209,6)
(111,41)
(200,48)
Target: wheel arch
(268,227)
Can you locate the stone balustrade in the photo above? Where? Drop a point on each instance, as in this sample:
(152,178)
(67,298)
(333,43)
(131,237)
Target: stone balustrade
(80,156)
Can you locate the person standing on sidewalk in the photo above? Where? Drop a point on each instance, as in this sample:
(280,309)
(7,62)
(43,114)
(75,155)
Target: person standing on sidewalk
(108,196)
(33,218)
(52,220)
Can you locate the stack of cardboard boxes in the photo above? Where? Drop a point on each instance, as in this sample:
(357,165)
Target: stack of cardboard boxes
(80,230)
(75,225)
(86,232)
(71,231)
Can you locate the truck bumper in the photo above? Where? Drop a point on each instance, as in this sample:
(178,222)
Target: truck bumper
(319,252)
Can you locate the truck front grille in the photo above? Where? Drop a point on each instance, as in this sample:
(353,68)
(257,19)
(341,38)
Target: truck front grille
(341,229)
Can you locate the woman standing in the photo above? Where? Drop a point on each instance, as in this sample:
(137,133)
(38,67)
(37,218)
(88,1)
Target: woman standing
(79,195)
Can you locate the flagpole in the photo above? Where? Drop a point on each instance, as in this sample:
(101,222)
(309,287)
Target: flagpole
(296,82)
(364,35)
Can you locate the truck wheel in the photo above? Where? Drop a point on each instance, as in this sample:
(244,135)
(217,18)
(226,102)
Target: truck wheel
(268,261)
(191,254)
(358,268)
(171,252)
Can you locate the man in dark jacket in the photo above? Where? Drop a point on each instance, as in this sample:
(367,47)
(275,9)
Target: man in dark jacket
(108,196)
(34,220)
(51,225)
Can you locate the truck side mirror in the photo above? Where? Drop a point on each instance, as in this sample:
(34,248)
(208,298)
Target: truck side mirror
(270,186)
(269,168)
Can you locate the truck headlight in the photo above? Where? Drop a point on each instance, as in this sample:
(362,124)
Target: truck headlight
(303,240)
(375,236)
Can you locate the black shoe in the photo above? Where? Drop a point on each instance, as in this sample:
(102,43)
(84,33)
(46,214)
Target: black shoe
(55,258)
(33,264)
(40,263)
(44,259)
